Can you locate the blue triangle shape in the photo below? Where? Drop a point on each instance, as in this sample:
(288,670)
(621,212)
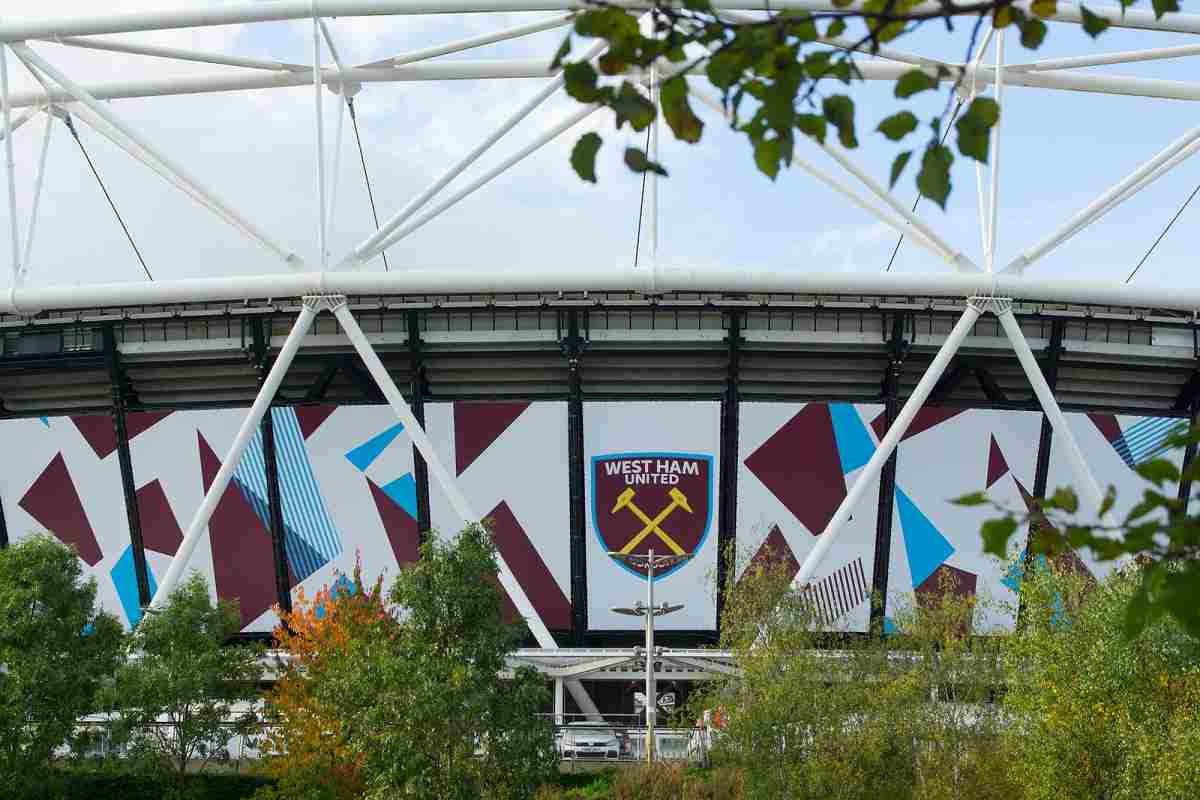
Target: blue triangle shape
(365,454)
(854,444)
(403,491)
(924,543)
(1015,573)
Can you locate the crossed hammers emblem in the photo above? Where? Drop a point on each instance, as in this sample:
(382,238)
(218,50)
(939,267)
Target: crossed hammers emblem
(652,525)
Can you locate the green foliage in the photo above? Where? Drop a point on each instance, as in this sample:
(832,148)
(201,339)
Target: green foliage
(182,692)
(1097,713)
(1158,531)
(421,700)
(115,780)
(55,648)
(804,721)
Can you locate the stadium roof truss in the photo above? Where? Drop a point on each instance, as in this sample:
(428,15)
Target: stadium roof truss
(987,286)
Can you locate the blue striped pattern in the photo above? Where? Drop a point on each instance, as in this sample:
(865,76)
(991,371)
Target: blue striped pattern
(1146,439)
(250,476)
(304,514)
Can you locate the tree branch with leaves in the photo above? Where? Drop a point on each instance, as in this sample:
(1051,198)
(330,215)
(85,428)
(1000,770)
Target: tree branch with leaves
(783,76)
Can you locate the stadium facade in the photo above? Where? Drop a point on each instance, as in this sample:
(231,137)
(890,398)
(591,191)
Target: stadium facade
(580,423)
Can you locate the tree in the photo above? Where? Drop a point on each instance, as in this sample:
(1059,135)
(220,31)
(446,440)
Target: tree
(426,706)
(772,77)
(1093,712)
(55,649)
(1158,532)
(896,716)
(308,749)
(183,692)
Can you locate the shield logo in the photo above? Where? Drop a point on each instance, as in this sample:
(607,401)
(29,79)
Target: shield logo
(652,501)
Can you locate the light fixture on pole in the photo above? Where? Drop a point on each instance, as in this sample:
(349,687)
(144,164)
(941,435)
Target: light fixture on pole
(649,562)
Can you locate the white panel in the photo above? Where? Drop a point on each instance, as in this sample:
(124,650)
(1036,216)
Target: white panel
(652,428)
(1139,436)
(345,494)
(169,452)
(525,467)
(849,562)
(946,461)
(31,445)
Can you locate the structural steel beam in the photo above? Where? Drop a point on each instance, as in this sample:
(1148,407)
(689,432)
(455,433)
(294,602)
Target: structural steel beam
(112,359)
(897,352)
(262,358)
(573,345)
(419,391)
(730,429)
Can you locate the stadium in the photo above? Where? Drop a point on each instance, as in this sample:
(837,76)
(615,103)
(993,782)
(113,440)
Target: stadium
(272,429)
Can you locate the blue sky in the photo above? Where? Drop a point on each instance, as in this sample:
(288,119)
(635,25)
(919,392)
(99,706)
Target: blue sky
(1059,151)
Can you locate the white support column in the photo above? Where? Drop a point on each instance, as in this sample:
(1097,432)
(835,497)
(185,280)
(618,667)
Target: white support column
(37,197)
(560,702)
(889,442)
(473,42)
(342,93)
(10,165)
(320,138)
(38,64)
(458,500)
(652,178)
(245,433)
(994,200)
(1045,396)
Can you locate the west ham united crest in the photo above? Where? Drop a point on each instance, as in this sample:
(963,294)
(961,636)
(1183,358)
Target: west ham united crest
(652,501)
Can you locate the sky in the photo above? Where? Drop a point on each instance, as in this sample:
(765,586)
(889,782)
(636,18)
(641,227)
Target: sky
(1059,151)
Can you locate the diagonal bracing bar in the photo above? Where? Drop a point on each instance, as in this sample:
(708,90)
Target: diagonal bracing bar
(890,440)
(976,306)
(262,402)
(39,65)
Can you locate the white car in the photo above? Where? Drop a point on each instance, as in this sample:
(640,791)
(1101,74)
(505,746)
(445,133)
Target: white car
(589,740)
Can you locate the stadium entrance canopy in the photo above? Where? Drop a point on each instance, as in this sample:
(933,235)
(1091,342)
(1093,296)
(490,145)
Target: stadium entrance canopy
(978,282)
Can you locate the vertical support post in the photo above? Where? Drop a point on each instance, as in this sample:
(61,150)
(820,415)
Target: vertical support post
(418,390)
(112,360)
(897,350)
(888,445)
(320,138)
(651,689)
(573,345)
(1045,396)
(560,703)
(730,424)
(262,357)
(1189,455)
(1041,473)
(262,402)
(994,204)
(11,166)
(3,528)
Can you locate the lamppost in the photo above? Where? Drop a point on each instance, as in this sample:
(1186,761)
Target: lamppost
(650,562)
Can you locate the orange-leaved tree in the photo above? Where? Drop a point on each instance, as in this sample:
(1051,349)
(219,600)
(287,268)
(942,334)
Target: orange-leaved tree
(307,748)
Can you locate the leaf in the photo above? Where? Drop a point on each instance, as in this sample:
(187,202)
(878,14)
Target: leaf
(898,125)
(814,127)
(975,127)
(1033,33)
(1110,498)
(839,110)
(898,166)
(673,95)
(1002,17)
(636,160)
(631,106)
(1064,498)
(837,27)
(913,82)
(563,51)
(934,178)
(995,534)
(767,154)
(583,156)
(580,79)
(724,69)
(1044,8)
(972,499)
(1164,6)
(1158,471)
(1093,25)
